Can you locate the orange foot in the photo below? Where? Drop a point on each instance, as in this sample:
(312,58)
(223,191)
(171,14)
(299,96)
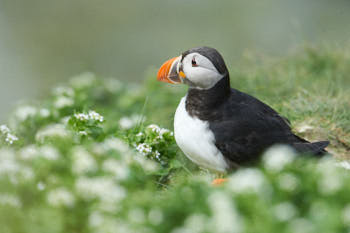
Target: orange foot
(218,182)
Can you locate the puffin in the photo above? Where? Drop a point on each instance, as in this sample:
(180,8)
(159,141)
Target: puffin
(221,128)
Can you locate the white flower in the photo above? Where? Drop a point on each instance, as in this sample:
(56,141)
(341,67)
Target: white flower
(54,130)
(83,162)
(126,123)
(155,128)
(121,171)
(144,149)
(96,219)
(157,155)
(104,223)
(155,216)
(83,133)
(331,180)
(92,115)
(63,101)
(10,138)
(225,218)
(284,211)
(10,200)
(28,152)
(105,189)
(327,166)
(159,131)
(288,182)
(344,164)
(4,129)
(26,173)
(10,167)
(24,112)
(277,157)
(150,166)
(95,116)
(63,91)
(247,180)
(60,197)
(40,186)
(147,164)
(83,80)
(81,116)
(8,164)
(196,223)
(163,131)
(329,184)
(31,152)
(44,112)
(49,152)
(140,134)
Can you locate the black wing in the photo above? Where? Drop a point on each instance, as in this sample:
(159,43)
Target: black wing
(247,126)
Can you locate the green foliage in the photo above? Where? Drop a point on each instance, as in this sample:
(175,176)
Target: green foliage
(90,158)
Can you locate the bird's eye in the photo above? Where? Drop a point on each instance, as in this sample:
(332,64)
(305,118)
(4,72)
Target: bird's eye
(194,63)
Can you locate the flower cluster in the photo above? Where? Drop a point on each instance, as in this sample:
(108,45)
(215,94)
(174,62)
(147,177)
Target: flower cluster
(32,152)
(52,131)
(22,113)
(151,142)
(8,136)
(144,149)
(160,131)
(90,116)
(64,97)
(60,197)
(87,124)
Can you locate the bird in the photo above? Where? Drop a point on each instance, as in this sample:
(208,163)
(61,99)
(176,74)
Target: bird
(221,128)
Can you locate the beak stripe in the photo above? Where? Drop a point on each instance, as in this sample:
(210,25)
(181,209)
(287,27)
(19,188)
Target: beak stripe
(182,74)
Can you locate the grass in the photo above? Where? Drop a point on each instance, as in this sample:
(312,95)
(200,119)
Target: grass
(99,156)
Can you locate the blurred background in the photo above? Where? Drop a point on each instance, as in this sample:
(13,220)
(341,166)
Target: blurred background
(43,42)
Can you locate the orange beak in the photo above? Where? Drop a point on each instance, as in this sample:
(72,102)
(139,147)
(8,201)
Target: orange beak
(168,72)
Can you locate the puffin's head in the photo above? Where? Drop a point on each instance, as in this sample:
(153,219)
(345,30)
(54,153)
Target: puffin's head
(200,68)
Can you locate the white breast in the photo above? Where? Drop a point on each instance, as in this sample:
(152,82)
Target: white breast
(196,140)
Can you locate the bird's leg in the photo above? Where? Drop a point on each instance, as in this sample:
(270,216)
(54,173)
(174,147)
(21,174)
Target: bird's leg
(219,180)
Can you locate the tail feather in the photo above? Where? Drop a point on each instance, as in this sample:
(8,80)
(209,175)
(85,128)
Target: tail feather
(314,148)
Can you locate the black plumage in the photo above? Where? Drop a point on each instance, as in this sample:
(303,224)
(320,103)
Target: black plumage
(243,126)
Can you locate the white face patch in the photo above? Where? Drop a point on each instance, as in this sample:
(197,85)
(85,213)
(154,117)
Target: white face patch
(203,74)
